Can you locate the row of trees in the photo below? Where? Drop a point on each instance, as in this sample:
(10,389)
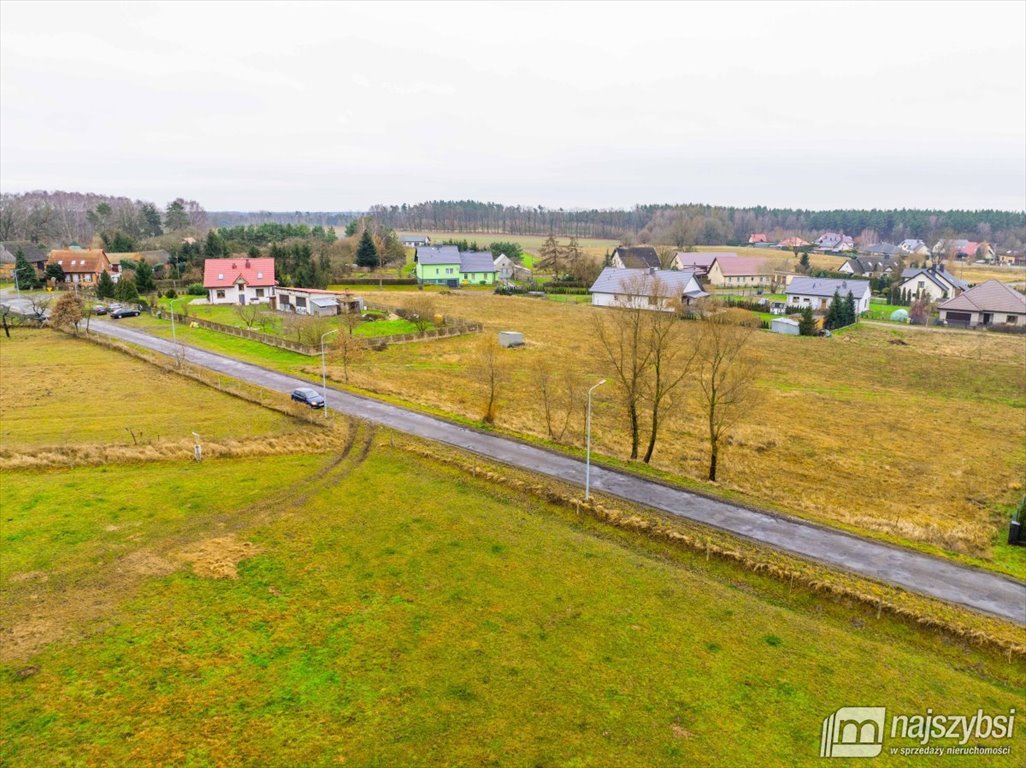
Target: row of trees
(655,357)
(691,224)
(61,218)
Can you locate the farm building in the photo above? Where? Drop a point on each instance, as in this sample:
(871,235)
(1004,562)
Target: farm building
(239,281)
(507,269)
(818,292)
(638,257)
(645,288)
(415,241)
(313,301)
(696,261)
(731,271)
(33,254)
(81,265)
(988,304)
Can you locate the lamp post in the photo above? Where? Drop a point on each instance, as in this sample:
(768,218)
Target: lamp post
(587,455)
(324,376)
(174,335)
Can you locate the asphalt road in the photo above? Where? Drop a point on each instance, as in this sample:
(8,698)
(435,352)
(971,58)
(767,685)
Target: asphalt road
(974,588)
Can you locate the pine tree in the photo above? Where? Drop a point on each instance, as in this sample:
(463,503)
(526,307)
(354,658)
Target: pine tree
(54,272)
(366,252)
(850,316)
(807,325)
(125,289)
(24,272)
(104,286)
(804,261)
(833,317)
(144,281)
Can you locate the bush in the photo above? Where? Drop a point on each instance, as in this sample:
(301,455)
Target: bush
(196,289)
(170,294)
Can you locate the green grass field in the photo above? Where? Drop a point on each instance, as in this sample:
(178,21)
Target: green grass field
(58,389)
(391,611)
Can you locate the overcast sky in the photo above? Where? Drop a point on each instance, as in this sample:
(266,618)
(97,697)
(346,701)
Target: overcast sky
(255,105)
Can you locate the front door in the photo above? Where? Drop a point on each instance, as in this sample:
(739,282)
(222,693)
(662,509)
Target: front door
(242,298)
(987,318)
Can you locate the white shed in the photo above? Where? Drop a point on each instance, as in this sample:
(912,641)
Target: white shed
(785,325)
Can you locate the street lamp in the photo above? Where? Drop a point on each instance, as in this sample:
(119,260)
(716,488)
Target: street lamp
(324,377)
(587,458)
(174,336)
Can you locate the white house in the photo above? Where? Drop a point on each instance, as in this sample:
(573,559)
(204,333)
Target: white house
(990,303)
(818,292)
(934,282)
(239,281)
(415,241)
(645,288)
(835,242)
(507,269)
(912,247)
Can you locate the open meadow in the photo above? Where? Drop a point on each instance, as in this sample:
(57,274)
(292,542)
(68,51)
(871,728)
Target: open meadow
(917,437)
(59,390)
(371,606)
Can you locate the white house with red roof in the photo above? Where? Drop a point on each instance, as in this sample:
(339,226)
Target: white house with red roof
(239,281)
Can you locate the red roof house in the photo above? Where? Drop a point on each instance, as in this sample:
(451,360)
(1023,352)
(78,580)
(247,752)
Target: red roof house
(239,281)
(758,237)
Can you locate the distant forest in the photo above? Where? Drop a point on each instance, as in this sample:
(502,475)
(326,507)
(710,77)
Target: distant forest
(692,224)
(55,218)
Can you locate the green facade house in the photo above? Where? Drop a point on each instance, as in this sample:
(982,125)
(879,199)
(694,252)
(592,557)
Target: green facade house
(445,265)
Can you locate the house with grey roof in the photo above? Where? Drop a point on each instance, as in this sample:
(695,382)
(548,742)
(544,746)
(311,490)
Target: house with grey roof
(637,257)
(414,241)
(937,283)
(698,262)
(989,304)
(657,289)
(445,265)
(818,292)
(33,254)
(912,247)
(862,265)
(881,250)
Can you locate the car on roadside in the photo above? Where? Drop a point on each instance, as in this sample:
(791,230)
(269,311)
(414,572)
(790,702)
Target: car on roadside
(100,309)
(309,396)
(117,314)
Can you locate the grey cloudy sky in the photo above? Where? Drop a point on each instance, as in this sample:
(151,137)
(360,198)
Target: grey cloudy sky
(338,106)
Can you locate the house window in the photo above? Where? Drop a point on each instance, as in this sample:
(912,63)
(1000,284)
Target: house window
(284,299)
(220,275)
(1011,320)
(301,302)
(220,294)
(653,300)
(260,293)
(260,275)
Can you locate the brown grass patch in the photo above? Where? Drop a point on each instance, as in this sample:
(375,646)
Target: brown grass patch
(218,558)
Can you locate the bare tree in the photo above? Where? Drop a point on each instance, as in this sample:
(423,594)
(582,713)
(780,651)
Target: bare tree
(560,396)
(250,314)
(622,334)
(420,311)
(68,311)
(672,353)
(490,372)
(726,374)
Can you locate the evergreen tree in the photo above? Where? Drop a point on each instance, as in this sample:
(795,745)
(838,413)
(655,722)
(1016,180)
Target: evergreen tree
(850,315)
(24,273)
(55,272)
(803,262)
(176,217)
(150,220)
(367,252)
(214,247)
(144,281)
(116,241)
(254,252)
(104,286)
(807,324)
(833,316)
(125,290)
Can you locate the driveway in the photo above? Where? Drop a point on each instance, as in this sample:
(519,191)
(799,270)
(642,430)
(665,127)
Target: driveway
(970,587)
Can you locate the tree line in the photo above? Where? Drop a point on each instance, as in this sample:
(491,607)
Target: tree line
(693,224)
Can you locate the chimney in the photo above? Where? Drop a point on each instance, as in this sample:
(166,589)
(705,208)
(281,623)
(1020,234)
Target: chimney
(233,265)
(651,270)
(247,263)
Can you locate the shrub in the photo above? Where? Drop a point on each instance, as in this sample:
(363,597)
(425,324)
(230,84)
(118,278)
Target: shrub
(170,294)
(196,289)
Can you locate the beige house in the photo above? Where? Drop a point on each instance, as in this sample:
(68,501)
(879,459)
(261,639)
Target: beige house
(81,265)
(937,283)
(989,304)
(739,272)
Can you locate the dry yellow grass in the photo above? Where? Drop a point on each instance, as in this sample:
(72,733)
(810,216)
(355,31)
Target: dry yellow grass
(921,440)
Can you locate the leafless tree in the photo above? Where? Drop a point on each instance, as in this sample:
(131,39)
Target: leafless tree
(560,395)
(420,311)
(726,375)
(672,351)
(490,372)
(250,314)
